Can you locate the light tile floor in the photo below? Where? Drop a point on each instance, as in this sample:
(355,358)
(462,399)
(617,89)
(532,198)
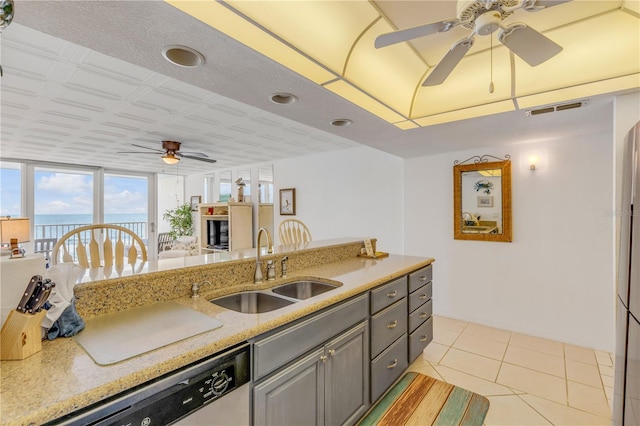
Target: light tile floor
(528,380)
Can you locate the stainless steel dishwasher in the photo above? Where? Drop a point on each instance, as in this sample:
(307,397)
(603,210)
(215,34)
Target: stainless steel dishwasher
(213,391)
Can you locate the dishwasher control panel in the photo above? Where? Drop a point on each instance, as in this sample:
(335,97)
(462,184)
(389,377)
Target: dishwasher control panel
(172,397)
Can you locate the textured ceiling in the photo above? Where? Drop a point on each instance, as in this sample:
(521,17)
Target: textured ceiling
(84,80)
(65,103)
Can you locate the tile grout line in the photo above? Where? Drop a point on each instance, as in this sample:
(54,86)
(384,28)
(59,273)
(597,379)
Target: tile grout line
(533,408)
(603,387)
(504,354)
(566,375)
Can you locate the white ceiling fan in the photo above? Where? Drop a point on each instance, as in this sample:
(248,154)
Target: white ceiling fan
(483,17)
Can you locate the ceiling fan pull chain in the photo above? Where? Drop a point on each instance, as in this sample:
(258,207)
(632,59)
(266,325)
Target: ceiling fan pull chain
(491,63)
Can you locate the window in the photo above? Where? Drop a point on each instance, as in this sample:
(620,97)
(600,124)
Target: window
(126,200)
(11,189)
(63,201)
(225,186)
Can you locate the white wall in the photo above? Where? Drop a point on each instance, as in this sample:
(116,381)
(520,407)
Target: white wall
(555,279)
(170,195)
(357,192)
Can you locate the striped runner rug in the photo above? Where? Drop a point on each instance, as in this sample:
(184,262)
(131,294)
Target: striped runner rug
(422,400)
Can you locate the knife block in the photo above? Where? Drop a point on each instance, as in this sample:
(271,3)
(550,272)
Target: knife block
(21,335)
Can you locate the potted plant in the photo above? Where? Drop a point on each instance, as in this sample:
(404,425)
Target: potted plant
(180,221)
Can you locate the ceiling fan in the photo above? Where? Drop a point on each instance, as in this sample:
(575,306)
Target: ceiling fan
(171,154)
(483,17)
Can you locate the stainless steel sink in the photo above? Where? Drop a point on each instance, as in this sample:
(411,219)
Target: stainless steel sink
(303,289)
(252,302)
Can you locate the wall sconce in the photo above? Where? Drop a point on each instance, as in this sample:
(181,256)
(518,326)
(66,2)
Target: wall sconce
(14,231)
(533,160)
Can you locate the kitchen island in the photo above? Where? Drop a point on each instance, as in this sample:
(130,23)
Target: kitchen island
(63,378)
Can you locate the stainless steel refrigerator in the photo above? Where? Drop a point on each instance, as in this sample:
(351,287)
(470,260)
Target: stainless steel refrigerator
(626,397)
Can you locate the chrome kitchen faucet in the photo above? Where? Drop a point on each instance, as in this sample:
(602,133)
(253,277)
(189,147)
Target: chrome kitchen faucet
(257,278)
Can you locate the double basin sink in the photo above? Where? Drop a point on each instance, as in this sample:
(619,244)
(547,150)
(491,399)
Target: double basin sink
(257,302)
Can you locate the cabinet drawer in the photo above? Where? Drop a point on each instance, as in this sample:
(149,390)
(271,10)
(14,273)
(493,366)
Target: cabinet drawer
(420,277)
(274,351)
(384,296)
(387,367)
(420,296)
(420,315)
(420,338)
(387,326)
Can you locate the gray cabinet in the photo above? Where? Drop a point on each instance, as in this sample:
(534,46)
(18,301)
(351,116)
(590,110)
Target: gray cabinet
(389,321)
(420,309)
(294,396)
(347,376)
(301,377)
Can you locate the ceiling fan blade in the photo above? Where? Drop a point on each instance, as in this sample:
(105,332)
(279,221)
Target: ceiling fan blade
(194,154)
(543,4)
(415,32)
(145,147)
(530,45)
(137,152)
(448,62)
(207,160)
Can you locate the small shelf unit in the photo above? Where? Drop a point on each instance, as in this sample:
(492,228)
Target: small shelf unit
(226,226)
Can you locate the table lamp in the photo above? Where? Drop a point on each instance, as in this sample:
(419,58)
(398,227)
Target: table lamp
(14,231)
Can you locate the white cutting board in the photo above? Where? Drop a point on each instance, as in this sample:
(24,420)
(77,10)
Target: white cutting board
(120,335)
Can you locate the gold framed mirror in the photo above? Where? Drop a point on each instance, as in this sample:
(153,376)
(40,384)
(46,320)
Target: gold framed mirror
(482,199)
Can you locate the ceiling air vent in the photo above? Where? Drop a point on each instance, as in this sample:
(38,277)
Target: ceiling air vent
(554,108)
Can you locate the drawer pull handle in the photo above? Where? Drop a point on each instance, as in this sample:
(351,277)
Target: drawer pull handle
(392,294)
(423,315)
(423,278)
(323,358)
(393,324)
(423,338)
(332,352)
(423,297)
(393,364)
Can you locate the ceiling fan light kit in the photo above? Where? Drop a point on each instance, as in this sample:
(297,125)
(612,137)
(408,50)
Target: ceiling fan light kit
(170,158)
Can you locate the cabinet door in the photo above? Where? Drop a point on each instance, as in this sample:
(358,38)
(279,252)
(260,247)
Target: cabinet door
(294,396)
(347,376)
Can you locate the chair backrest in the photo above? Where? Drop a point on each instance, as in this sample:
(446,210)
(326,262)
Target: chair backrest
(100,245)
(293,231)
(44,245)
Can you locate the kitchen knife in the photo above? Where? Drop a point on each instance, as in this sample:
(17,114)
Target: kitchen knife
(38,294)
(48,286)
(28,293)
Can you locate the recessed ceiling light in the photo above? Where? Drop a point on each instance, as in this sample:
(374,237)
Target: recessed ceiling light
(183,56)
(341,122)
(283,98)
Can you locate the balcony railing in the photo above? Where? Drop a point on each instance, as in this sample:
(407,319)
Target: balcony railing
(52,233)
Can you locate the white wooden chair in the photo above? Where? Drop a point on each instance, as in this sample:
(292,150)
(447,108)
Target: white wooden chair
(293,231)
(44,245)
(101,245)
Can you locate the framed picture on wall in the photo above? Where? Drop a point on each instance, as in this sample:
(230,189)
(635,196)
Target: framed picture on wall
(485,201)
(195,200)
(288,201)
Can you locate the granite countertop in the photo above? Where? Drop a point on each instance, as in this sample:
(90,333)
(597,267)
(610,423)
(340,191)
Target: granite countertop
(63,378)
